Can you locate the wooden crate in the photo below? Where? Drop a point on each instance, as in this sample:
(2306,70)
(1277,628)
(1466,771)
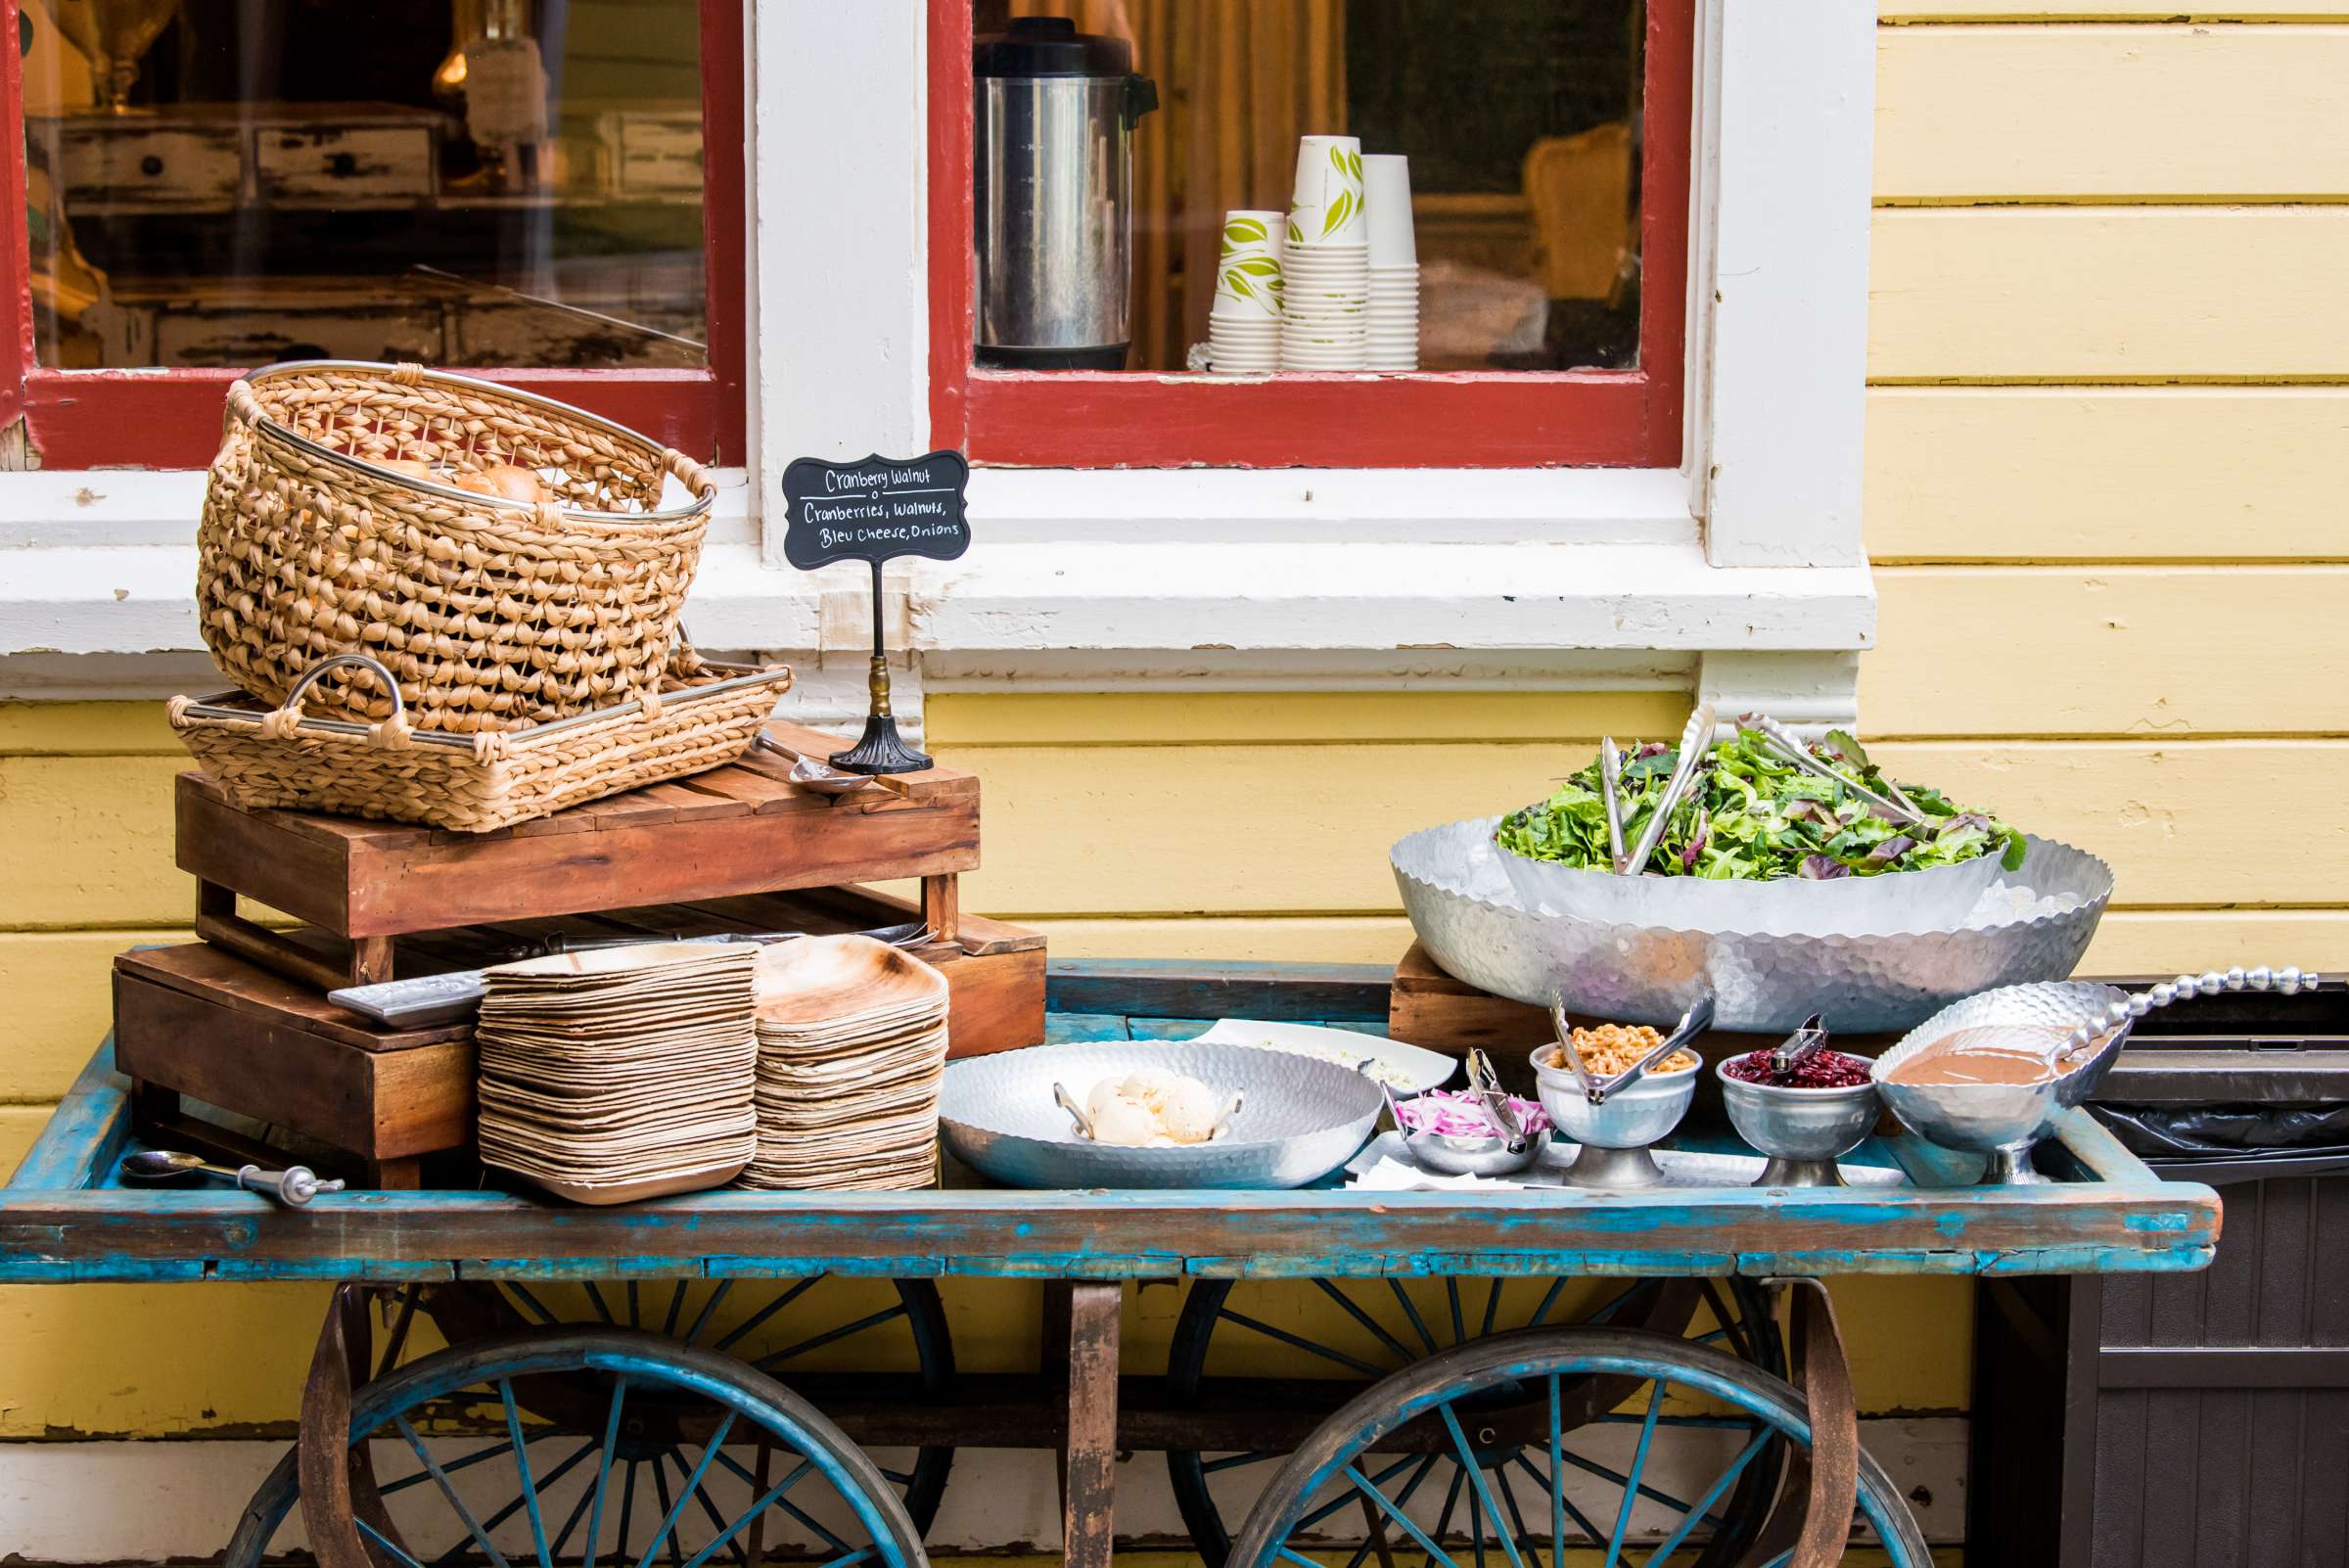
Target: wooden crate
(200,1022)
(240,1021)
(736,830)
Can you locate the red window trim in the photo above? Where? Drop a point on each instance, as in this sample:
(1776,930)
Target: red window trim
(1089,419)
(171,418)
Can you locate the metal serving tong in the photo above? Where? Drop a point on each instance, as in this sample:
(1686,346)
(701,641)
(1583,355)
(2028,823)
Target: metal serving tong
(1610,790)
(1694,1022)
(2288,980)
(1485,1084)
(1791,747)
(1696,740)
(1799,1046)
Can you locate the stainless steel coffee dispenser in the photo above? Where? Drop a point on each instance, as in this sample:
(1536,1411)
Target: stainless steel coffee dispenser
(1055,116)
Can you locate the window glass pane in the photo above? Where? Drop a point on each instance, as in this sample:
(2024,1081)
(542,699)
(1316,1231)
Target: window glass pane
(459,182)
(1518,121)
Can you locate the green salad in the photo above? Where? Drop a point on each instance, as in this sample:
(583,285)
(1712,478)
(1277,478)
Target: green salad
(1750,815)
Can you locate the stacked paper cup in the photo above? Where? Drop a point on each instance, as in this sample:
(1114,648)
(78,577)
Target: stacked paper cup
(1394,295)
(1243,326)
(1327,263)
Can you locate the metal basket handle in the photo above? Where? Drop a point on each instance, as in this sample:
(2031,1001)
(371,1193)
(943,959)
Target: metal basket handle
(392,731)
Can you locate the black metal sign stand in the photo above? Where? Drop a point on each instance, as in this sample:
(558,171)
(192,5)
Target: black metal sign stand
(875,511)
(880,749)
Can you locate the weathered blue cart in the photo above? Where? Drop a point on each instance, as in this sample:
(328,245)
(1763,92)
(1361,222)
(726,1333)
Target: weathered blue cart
(620,1368)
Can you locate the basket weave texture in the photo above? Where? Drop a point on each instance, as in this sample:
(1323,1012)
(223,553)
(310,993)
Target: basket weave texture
(273,760)
(492,615)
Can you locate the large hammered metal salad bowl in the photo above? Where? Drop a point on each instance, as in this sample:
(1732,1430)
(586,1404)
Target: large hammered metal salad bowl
(1473,925)
(1759,844)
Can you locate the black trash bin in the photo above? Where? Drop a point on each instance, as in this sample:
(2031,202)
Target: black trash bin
(2188,1420)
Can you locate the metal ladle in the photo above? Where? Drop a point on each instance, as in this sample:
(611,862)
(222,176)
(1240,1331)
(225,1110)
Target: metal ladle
(294,1186)
(2287,980)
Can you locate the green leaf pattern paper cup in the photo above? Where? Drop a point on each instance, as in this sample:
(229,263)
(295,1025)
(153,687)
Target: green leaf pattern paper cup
(1249,281)
(1327,208)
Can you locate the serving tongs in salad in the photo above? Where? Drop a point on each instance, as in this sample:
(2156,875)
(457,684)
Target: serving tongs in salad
(1610,793)
(1696,742)
(1790,747)
(1694,1022)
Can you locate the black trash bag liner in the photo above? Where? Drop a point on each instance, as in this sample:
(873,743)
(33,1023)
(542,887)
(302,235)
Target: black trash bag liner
(2232,1131)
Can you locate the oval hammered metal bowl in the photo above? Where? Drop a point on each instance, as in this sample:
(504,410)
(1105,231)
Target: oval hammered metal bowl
(1473,925)
(1301,1120)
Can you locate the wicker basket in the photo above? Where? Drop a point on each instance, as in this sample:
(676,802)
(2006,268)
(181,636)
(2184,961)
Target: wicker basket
(705,717)
(490,612)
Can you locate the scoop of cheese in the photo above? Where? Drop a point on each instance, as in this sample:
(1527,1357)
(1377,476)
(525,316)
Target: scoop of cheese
(1152,1108)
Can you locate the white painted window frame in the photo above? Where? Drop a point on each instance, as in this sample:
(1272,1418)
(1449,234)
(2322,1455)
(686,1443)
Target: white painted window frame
(1743,570)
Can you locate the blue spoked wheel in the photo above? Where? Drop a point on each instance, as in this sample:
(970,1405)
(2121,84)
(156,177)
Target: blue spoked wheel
(842,1343)
(730,1461)
(1301,1349)
(1360,1489)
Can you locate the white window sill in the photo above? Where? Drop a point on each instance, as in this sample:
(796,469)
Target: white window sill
(1266,580)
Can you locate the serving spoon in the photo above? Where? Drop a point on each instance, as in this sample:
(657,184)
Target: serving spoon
(2288,980)
(294,1186)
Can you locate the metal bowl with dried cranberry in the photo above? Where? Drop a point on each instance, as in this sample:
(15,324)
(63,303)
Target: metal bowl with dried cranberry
(1805,1116)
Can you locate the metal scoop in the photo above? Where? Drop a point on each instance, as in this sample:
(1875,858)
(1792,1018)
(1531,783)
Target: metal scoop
(1066,1102)
(294,1186)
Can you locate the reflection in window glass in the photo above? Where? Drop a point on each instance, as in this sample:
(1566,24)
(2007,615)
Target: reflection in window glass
(1520,121)
(459,182)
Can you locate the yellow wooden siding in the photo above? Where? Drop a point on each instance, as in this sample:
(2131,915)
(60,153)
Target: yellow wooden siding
(2111,113)
(61,1003)
(2108,474)
(2127,294)
(2159,652)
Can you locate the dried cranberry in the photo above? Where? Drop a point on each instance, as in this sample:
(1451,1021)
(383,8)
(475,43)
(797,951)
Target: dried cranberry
(1821,1069)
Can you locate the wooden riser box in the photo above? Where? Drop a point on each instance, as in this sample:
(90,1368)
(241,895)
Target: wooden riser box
(200,1022)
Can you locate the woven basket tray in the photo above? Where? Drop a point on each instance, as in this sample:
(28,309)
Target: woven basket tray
(492,612)
(704,715)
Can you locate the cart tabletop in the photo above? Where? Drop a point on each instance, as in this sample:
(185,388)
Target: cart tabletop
(63,1217)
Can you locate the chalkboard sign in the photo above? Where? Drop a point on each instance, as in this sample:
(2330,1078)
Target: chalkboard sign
(875,510)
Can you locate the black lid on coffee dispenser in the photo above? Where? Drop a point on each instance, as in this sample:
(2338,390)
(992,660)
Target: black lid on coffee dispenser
(1049,46)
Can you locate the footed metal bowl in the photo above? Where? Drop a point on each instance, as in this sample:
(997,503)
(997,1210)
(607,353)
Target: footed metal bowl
(1802,1131)
(2001,1120)
(1616,1137)
(1472,924)
(1301,1118)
